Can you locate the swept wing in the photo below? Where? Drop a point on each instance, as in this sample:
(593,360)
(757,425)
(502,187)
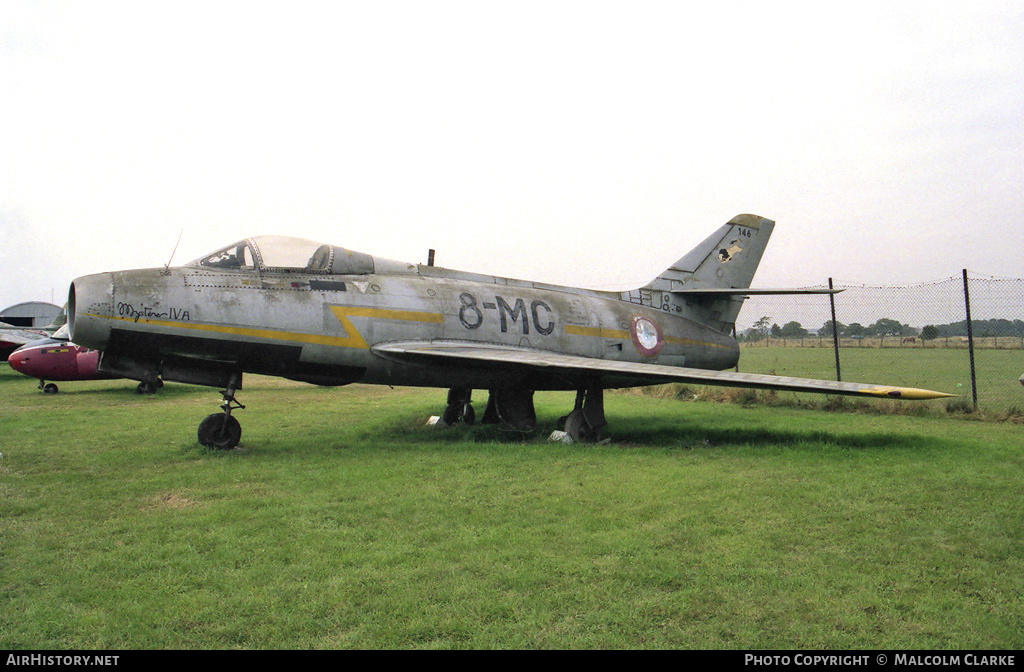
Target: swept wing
(628,373)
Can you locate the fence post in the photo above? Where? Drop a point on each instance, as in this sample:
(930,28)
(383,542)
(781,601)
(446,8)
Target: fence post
(835,330)
(970,342)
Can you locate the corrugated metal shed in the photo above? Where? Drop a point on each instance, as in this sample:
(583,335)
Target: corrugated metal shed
(30,314)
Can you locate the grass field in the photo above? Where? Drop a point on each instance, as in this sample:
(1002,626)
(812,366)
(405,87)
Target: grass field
(343,521)
(947,370)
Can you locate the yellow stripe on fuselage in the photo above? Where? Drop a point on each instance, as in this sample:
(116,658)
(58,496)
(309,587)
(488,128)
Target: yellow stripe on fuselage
(353,340)
(388,314)
(596,332)
(356,340)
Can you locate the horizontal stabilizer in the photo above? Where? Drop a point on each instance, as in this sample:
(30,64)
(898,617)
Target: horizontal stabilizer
(740,291)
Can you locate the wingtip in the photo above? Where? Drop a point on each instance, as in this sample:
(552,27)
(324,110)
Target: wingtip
(910,393)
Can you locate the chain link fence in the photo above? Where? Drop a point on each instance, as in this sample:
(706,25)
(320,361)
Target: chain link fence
(959,335)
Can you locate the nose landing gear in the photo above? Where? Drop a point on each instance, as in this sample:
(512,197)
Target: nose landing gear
(222,431)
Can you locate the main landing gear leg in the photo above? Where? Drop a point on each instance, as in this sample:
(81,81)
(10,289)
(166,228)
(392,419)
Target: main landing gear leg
(459,407)
(513,408)
(222,430)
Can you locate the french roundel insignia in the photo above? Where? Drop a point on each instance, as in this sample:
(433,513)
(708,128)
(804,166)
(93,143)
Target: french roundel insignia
(646,335)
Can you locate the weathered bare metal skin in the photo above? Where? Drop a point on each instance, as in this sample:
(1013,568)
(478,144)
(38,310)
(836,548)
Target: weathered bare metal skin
(159,313)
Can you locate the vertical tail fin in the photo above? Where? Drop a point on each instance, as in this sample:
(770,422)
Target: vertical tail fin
(706,278)
(726,260)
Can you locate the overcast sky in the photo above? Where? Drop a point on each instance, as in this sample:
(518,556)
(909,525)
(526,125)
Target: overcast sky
(589,143)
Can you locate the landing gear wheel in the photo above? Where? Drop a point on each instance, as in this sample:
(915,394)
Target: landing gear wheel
(450,416)
(577,429)
(146,388)
(459,408)
(50,388)
(585,422)
(456,412)
(220,431)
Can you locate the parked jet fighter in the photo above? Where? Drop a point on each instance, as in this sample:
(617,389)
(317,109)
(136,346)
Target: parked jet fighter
(56,358)
(330,316)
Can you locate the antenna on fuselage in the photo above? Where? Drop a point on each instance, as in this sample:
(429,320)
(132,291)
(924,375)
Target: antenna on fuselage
(167,266)
(430,258)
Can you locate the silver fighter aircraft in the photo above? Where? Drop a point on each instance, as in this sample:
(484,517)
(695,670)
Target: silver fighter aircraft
(326,315)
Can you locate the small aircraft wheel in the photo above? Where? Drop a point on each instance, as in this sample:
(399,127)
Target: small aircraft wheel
(146,388)
(577,428)
(453,413)
(450,416)
(50,388)
(219,431)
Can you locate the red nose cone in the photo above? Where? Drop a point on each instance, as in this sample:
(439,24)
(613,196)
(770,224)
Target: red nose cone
(19,360)
(16,360)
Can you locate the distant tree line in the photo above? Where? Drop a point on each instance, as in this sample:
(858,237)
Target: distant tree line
(885,327)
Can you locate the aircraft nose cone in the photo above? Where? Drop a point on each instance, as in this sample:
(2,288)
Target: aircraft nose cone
(90,307)
(26,360)
(18,360)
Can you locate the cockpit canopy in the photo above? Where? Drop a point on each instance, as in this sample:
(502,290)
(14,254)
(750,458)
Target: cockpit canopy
(284,253)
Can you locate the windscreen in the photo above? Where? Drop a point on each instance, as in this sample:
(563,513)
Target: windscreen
(236,256)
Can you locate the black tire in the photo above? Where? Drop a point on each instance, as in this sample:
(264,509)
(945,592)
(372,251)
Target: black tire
(215,433)
(50,388)
(453,413)
(450,416)
(577,429)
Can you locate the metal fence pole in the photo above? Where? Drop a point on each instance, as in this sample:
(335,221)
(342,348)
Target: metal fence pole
(835,330)
(970,341)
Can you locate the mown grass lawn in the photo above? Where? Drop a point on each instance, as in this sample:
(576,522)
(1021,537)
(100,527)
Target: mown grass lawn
(997,372)
(343,521)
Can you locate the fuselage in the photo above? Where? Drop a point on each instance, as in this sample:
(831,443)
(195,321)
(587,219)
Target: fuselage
(321,326)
